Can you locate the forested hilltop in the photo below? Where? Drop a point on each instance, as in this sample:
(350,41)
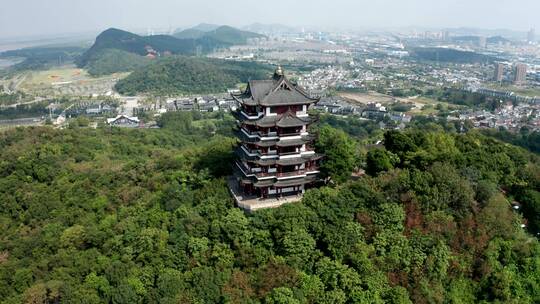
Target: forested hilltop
(144,216)
(190,75)
(116,50)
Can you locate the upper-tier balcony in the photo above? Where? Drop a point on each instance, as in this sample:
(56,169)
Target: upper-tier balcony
(271,134)
(256,135)
(252,115)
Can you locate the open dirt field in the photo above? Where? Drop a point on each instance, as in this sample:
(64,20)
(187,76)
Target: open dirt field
(68,80)
(365,98)
(420,105)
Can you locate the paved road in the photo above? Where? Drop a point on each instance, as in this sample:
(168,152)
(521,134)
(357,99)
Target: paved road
(30,121)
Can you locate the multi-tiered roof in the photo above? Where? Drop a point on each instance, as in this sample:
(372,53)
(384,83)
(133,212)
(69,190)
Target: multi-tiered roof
(275,157)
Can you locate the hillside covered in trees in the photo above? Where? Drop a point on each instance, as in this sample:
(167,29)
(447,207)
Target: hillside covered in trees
(190,75)
(116,50)
(144,216)
(449,55)
(224,34)
(111,61)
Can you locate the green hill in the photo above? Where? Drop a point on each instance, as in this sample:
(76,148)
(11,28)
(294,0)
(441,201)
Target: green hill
(206,27)
(449,55)
(132,43)
(189,75)
(224,34)
(190,34)
(110,61)
(188,42)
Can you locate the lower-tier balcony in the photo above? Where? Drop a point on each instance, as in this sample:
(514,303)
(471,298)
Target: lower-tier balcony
(241,131)
(302,172)
(257,172)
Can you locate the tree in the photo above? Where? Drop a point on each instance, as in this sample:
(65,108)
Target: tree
(339,151)
(298,245)
(281,295)
(379,160)
(398,142)
(531,208)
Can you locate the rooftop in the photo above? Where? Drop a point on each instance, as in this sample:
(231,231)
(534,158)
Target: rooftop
(276,91)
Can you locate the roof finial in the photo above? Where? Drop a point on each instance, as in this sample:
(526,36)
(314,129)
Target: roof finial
(278,73)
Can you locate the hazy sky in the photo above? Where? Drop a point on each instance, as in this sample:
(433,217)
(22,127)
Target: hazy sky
(45,17)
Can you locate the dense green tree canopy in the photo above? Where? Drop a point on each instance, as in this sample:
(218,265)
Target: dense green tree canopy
(340,153)
(110,215)
(190,75)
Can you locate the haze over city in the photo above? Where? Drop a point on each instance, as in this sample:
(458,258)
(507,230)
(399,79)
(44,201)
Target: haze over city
(34,17)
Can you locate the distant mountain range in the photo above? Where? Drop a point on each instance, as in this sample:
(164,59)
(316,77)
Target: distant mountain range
(202,38)
(466,31)
(223,34)
(206,27)
(474,39)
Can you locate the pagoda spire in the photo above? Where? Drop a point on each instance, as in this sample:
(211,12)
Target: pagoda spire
(278,73)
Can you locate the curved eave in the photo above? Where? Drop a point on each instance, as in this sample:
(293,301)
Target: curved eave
(267,122)
(244,99)
(287,161)
(286,183)
(286,103)
(279,143)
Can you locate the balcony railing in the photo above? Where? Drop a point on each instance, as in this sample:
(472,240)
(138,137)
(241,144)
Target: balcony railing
(270,134)
(254,115)
(289,153)
(260,134)
(260,152)
(290,134)
(287,174)
(259,174)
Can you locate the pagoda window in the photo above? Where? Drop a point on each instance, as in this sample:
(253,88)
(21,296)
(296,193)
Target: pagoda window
(288,169)
(251,110)
(289,131)
(288,150)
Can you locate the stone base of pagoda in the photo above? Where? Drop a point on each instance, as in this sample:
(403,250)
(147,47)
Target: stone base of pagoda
(253,203)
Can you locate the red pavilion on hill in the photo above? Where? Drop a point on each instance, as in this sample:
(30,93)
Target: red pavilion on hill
(276,161)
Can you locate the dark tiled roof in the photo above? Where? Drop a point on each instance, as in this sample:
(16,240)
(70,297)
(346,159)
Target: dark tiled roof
(278,91)
(286,97)
(284,121)
(265,122)
(260,88)
(290,120)
(295,182)
(291,142)
(279,143)
(282,183)
(264,183)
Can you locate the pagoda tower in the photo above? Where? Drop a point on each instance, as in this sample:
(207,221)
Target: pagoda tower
(276,160)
